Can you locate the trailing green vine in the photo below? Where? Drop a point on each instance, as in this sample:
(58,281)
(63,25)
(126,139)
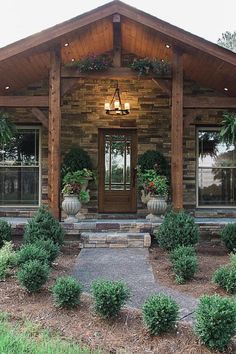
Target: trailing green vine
(145,66)
(91,63)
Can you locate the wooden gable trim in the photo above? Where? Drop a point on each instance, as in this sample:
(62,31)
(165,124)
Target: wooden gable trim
(177,33)
(55,33)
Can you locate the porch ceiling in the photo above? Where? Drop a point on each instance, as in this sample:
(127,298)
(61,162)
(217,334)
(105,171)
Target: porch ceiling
(27,61)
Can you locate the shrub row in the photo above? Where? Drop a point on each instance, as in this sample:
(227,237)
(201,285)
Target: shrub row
(43,237)
(215,315)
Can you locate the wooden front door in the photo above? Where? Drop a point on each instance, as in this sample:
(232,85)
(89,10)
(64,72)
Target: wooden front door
(117,178)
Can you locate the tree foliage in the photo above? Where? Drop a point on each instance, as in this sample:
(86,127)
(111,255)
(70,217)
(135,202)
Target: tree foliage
(228,40)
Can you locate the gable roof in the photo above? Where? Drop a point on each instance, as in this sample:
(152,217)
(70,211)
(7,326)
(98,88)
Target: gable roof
(34,50)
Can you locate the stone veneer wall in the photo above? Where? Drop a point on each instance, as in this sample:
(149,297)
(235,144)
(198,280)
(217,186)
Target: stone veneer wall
(83,114)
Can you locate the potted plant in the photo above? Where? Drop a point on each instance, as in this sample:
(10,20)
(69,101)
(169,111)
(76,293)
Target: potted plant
(73,195)
(145,66)
(154,192)
(91,63)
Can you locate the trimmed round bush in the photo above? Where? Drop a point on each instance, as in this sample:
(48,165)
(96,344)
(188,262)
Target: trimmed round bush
(184,262)
(216,321)
(109,297)
(177,229)
(152,159)
(225,276)
(29,252)
(43,226)
(228,236)
(76,159)
(33,275)
(5,232)
(50,247)
(66,292)
(160,313)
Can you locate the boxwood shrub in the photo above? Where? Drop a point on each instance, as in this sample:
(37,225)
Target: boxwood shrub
(50,247)
(43,226)
(160,313)
(109,296)
(225,276)
(66,292)
(228,236)
(177,229)
(33,275)
(5,232)
(184,263)
(216,321)
(29,252)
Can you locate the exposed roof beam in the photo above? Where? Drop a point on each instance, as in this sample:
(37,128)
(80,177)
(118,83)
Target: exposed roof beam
(23,101)
(209,102)
(40,116)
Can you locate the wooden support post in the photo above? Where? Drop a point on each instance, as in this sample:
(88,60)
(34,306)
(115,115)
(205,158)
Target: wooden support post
(54,134)
(116,41)
(177,131)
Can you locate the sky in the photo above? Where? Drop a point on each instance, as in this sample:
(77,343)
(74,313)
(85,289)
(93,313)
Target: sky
(205,18)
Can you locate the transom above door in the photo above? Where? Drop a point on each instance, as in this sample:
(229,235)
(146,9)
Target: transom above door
(117,178)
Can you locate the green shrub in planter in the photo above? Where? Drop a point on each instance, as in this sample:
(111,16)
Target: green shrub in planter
(5,232)
(184,262)
(50,247)
(216,321)
(33,275)
(154,160)
(29,252)
(177,229)
(109,296)
(225,276)
(76,159)
(43,226)
(66,292)
(7,259)
(228,236)
(160,313)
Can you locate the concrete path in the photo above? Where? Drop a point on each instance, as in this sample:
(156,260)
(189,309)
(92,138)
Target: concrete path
(131,266)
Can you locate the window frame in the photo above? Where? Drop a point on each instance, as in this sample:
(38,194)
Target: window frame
(39,128)
(206,128)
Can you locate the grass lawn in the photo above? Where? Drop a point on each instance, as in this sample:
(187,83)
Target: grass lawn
(27,338)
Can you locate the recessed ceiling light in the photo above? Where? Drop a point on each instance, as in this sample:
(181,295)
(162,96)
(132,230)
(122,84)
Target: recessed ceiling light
(73,59)
(167,46)
(66,44)
(226,89)
(7,87)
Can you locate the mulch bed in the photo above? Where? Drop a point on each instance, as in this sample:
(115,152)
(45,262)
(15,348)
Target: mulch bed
(124,334)
(210,257)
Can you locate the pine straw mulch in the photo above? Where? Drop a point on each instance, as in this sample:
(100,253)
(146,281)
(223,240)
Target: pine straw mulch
(124,334)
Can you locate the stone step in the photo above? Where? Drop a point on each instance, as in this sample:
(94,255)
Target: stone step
(115,240)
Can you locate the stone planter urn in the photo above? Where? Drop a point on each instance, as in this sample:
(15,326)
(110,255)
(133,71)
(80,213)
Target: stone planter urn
(156,207)
(71,206)
(84,185)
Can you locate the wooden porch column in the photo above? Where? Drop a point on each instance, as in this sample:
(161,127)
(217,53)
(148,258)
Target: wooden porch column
(54,133)
(177,131)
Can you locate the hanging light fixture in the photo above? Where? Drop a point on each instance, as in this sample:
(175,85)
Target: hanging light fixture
(116,106)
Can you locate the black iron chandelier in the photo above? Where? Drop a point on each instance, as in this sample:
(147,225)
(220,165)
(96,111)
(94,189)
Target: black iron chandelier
(115,106)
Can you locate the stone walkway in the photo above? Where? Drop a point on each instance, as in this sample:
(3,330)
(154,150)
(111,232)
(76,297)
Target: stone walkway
(131,266)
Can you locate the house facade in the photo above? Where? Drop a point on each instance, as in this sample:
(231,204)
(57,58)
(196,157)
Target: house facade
(56,107)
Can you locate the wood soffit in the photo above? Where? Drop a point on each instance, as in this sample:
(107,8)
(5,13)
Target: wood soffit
(27,61)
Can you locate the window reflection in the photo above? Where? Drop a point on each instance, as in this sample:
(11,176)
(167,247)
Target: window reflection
(117,162)
(19,169)
(216,170)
